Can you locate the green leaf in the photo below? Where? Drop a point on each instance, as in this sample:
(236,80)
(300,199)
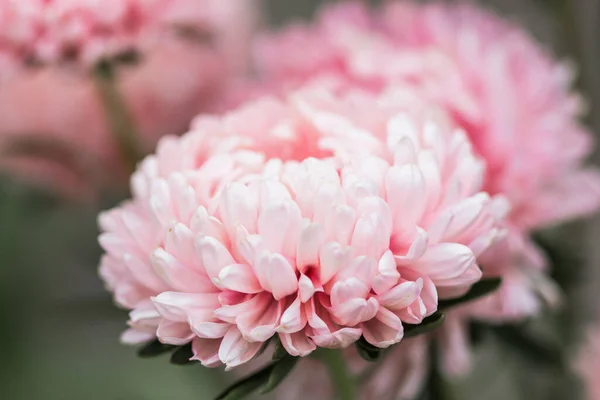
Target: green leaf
(182,355)
(429,324)
(281,369)
(367,351)
(246,386)
(279,351)
(154,349)
(480,289)
(268,378)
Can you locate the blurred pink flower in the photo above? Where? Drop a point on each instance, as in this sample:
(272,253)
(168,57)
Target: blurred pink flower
(49,31)
(175,79)
(315,251)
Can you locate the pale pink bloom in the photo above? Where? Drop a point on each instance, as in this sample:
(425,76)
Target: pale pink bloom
(317,252)
(588,363)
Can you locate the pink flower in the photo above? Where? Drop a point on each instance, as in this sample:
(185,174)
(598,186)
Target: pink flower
(314,251)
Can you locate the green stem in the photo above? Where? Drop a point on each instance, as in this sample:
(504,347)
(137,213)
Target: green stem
(120,123)
(343,381)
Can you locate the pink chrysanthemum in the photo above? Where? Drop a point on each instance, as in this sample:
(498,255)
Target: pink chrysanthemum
(510,96)
(315,251)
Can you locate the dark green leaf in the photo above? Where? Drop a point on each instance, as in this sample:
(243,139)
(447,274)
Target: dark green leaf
(182,355)
(281,369)
(246,386)
(480,289)
(279,351)
(268,378)
(428,325)
(154,348)
(367,351)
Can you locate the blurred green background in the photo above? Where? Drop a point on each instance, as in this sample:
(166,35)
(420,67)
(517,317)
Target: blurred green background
(59,330)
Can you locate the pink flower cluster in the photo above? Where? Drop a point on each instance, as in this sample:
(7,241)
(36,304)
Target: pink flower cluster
(317,220)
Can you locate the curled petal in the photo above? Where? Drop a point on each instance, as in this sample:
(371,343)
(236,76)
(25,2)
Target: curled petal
(384,330)
(297,344)
(275,274)
(239,278)
(235,350)
(206,351)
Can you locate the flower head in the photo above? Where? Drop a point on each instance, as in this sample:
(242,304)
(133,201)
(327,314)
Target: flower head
(321,243)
